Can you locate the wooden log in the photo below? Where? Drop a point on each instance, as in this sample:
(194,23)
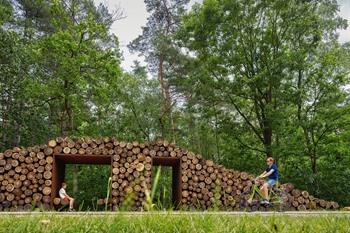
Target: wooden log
(15,156)
(74,151)
(322,203)
(47,174)
(300,199)
(56,201)
(305,194)
(301,207)
(184,178)
(244,176)
(295,203)
(70,144)
(49,159)
(185,193)
(296,192)
(312,205)
(140,167)
(10,197)
(48,182)
(115,171)
(47,199)
(59,139)
(57,149)
(10,188)
(207,180)
(89,150)
(48,151)
(42,162)
(48,167)
(148,167)
(52,143)
(17,184)
(14,163)
(81,151)
(8,153)
(335,205)
(66,150)
(148,159)
(47,190)
(2,162)
(37,197)
(2,197)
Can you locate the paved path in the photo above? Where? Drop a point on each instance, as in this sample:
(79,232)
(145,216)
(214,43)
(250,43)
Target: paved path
(180,213)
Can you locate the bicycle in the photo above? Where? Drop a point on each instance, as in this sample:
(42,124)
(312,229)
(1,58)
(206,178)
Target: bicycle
(277,198)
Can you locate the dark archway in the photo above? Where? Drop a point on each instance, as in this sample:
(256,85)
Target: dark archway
(175,163)
(59,167)
(60,161)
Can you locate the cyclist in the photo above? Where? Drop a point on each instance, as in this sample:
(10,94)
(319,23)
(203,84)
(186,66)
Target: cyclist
(271,173)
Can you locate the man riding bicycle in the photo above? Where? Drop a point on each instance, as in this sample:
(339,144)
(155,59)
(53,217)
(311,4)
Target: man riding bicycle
(272,173)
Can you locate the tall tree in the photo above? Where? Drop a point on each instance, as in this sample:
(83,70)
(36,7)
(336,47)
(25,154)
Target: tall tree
(250,50)
(79,63)
(155,44)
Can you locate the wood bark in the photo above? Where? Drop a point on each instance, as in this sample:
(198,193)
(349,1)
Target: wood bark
(26,176)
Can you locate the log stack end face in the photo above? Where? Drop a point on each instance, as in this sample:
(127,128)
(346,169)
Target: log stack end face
(26,176)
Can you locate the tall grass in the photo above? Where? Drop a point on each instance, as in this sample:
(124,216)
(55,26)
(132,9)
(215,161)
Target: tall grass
(149,202)
(109,187)
(173,223)
(162,191)
(155,181)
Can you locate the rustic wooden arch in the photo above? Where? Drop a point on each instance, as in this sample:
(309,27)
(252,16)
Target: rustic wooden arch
(59,167)
(60,161)
(31,176)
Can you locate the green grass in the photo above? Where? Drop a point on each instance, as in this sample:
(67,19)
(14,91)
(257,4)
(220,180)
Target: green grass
(173,223)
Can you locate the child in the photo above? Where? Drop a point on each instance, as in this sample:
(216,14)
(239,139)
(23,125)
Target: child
(64,196)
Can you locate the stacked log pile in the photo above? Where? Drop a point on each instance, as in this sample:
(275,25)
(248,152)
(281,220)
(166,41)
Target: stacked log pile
(131,173)
(302,200)
(26,176)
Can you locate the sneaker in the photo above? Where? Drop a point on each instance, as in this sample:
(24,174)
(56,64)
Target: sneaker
(71,210)
(264,202)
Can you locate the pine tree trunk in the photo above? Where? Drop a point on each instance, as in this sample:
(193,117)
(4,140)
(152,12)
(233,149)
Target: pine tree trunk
(167,103)
(75,180)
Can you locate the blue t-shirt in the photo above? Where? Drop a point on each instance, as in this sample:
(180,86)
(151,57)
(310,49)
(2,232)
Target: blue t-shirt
(274,174)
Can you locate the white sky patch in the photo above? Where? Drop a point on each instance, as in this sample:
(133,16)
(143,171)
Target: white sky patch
(129,28)
(344,35)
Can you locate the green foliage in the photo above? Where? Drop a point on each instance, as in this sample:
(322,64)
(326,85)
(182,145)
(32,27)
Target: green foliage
(155,182)
(93,183)
(6,11)
(162,188)
(270,78)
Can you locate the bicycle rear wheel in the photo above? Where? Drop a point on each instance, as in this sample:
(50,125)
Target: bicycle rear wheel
(279,201)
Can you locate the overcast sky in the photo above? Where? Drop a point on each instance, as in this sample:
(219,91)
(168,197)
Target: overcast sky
(129,28)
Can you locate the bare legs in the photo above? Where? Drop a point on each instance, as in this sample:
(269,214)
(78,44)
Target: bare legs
(71,203)
(265,190)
